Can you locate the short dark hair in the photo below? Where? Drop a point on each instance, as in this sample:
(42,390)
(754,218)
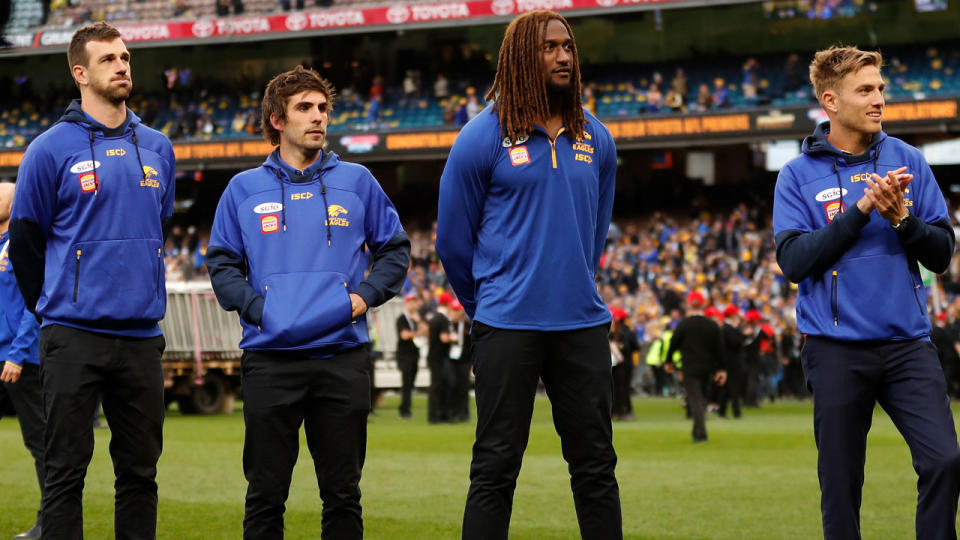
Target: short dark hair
(100,31)
(280,89)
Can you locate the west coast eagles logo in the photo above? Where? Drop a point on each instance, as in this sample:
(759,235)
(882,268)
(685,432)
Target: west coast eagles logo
(334,211)
(149,177)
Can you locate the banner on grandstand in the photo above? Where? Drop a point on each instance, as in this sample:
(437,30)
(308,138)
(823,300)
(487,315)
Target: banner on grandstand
(267,26)
(629,132)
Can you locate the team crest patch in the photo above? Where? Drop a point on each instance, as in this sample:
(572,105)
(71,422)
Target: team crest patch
(519,156)
(88,182)
(269,223)
(833,208)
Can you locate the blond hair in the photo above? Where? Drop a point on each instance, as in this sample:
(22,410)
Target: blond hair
(830,66)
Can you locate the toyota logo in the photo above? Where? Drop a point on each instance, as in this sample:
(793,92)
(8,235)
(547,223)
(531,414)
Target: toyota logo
(398,14)
(607,3)
(203,29)
(504,7)
(296,22)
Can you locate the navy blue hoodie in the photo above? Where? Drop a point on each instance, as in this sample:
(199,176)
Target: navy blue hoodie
(86,231)
(859,278)
(19,330)
(287,248)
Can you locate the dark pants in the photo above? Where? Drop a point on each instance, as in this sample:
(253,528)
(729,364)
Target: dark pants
(331,398)
(575,368)
(28,402)
(437,395)
(77,367)
(622,377)
(408,376)
(847,379)
(731,393)
(457,392)
(696,390)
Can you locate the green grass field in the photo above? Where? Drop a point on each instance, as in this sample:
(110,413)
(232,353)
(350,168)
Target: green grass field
(755,479)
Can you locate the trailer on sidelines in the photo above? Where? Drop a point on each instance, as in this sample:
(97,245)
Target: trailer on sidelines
(201,364)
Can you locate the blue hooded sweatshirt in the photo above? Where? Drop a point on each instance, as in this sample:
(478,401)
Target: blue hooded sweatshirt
(859,278)
(19,330)
(521,224)
(86,231)
(287,248)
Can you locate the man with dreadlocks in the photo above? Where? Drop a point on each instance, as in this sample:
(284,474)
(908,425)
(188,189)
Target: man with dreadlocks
(525,203)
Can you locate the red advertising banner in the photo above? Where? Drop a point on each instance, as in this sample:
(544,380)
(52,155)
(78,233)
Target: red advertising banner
(313,20)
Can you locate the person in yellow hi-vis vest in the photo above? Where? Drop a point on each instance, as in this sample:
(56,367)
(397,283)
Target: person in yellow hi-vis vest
(656,358)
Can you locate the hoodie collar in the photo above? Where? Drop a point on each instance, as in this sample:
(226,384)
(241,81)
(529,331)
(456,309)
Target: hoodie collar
(324,162)
(76,114)
(818,144)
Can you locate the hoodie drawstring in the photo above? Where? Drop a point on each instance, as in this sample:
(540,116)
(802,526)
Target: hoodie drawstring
(283,202)
(93,163)
(836,171)
(326,209)
(323,195)
(136,146)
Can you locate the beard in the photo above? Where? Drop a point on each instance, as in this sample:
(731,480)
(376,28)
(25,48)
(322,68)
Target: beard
(114,94)
(559,90)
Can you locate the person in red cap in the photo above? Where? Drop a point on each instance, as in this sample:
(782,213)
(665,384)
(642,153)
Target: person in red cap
(624,339)
(700,343)
(733,354)
(457,370)
(438,355)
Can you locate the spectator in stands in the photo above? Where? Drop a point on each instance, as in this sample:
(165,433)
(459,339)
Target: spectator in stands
(654,98)
(549,323)
(100,334)
(720,99)
(411,84)
(795,75)
(19,332)
(867,338)
(674,101)
(473,106)
(291,270)
(679,84)
(461,117)
(704,98)
(223,7)
(748,86)
(590,98)
(441,87)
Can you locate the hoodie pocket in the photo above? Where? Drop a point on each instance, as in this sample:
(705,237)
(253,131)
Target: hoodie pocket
(113,280)
(305,309)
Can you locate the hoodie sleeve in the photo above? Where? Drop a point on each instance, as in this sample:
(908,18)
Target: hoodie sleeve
(169,195)
(387,242)
(226,261)
(608,181)
(927,236)
(463,190)
(801,251)
(34,205)
(24,343)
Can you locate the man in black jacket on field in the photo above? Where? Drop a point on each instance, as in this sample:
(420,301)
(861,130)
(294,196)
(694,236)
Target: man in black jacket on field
(700,342)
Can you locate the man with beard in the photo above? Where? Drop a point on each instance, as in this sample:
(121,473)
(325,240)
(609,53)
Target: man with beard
(525,203)
(288,253)
(86,241)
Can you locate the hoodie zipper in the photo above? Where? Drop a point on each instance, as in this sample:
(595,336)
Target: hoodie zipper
(916,296)
(159,269)
(834,307)
(76,277)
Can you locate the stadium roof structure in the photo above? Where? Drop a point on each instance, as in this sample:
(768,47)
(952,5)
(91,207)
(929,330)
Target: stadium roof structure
(337,20)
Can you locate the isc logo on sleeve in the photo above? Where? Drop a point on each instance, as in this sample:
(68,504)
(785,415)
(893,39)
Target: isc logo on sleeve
(269,223)
(519,156)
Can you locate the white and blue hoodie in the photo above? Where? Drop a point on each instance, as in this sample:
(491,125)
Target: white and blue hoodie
(859,278)
(287,247)
(86,231)
(521,224)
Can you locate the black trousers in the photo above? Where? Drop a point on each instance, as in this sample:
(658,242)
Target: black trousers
(622,377)
(408,376)
(457,381)
(331,398)
(437,402)
(847,379)
(696,390)
(731,393)
(28,402)
(77,367)
(575,368)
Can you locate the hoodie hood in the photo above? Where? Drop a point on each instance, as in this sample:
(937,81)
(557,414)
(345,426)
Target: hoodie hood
(817,144)
(75,114)
(275,164)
